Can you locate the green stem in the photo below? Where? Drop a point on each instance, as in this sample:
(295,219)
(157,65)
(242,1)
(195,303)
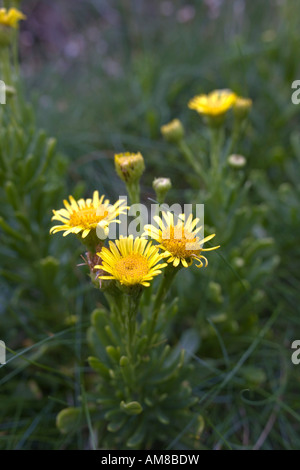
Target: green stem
(215,148)
(131,305)
(169,275)
(133,190)
(5,66)
(115,303)
(216,142)
(190,158)
(234,138)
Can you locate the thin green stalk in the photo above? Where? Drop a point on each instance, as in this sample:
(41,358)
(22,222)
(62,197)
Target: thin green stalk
(115,304)
(216,142)
(133,190)
(169,275)
(236,132)
(190,158)
(5,65)
(131,305)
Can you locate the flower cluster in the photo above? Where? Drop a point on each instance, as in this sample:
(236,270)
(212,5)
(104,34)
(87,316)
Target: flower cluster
(131,261)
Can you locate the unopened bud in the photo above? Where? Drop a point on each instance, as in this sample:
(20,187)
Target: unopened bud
(10,91)
(129,166)
(242,107)
(215,292)
(161,187)
(237,161)
(173,132)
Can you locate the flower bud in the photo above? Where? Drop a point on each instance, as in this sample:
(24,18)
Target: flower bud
(161,187)
(129,166)
(237,161)
(242,107)
(10,91)
(215,292)
(173,132)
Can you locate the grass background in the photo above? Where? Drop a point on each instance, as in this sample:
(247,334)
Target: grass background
(103,77)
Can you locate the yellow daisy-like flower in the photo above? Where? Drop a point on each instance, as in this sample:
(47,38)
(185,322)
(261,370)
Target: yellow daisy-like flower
(85,215)
(179,240)
(11,17)
(131,261)
(216,103)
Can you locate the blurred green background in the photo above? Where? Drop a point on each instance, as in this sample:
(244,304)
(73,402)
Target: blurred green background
(107,75)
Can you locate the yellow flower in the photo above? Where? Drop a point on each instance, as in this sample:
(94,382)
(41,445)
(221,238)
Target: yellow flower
(11,17)
(131,261)
(85,215)
(179,241)
(216,103)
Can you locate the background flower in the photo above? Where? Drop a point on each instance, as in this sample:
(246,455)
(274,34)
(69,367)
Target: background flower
(216,103)
(11,17)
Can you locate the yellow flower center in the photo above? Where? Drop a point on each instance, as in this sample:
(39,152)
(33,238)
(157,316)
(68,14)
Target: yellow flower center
(133,268)
(180,242)
(87,217)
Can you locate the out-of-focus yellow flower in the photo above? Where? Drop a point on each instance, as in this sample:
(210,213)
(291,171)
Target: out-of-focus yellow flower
(85,215)
(131,261)
(179,240)
(129,166)
(11,17)
(214,104)
(173,131)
